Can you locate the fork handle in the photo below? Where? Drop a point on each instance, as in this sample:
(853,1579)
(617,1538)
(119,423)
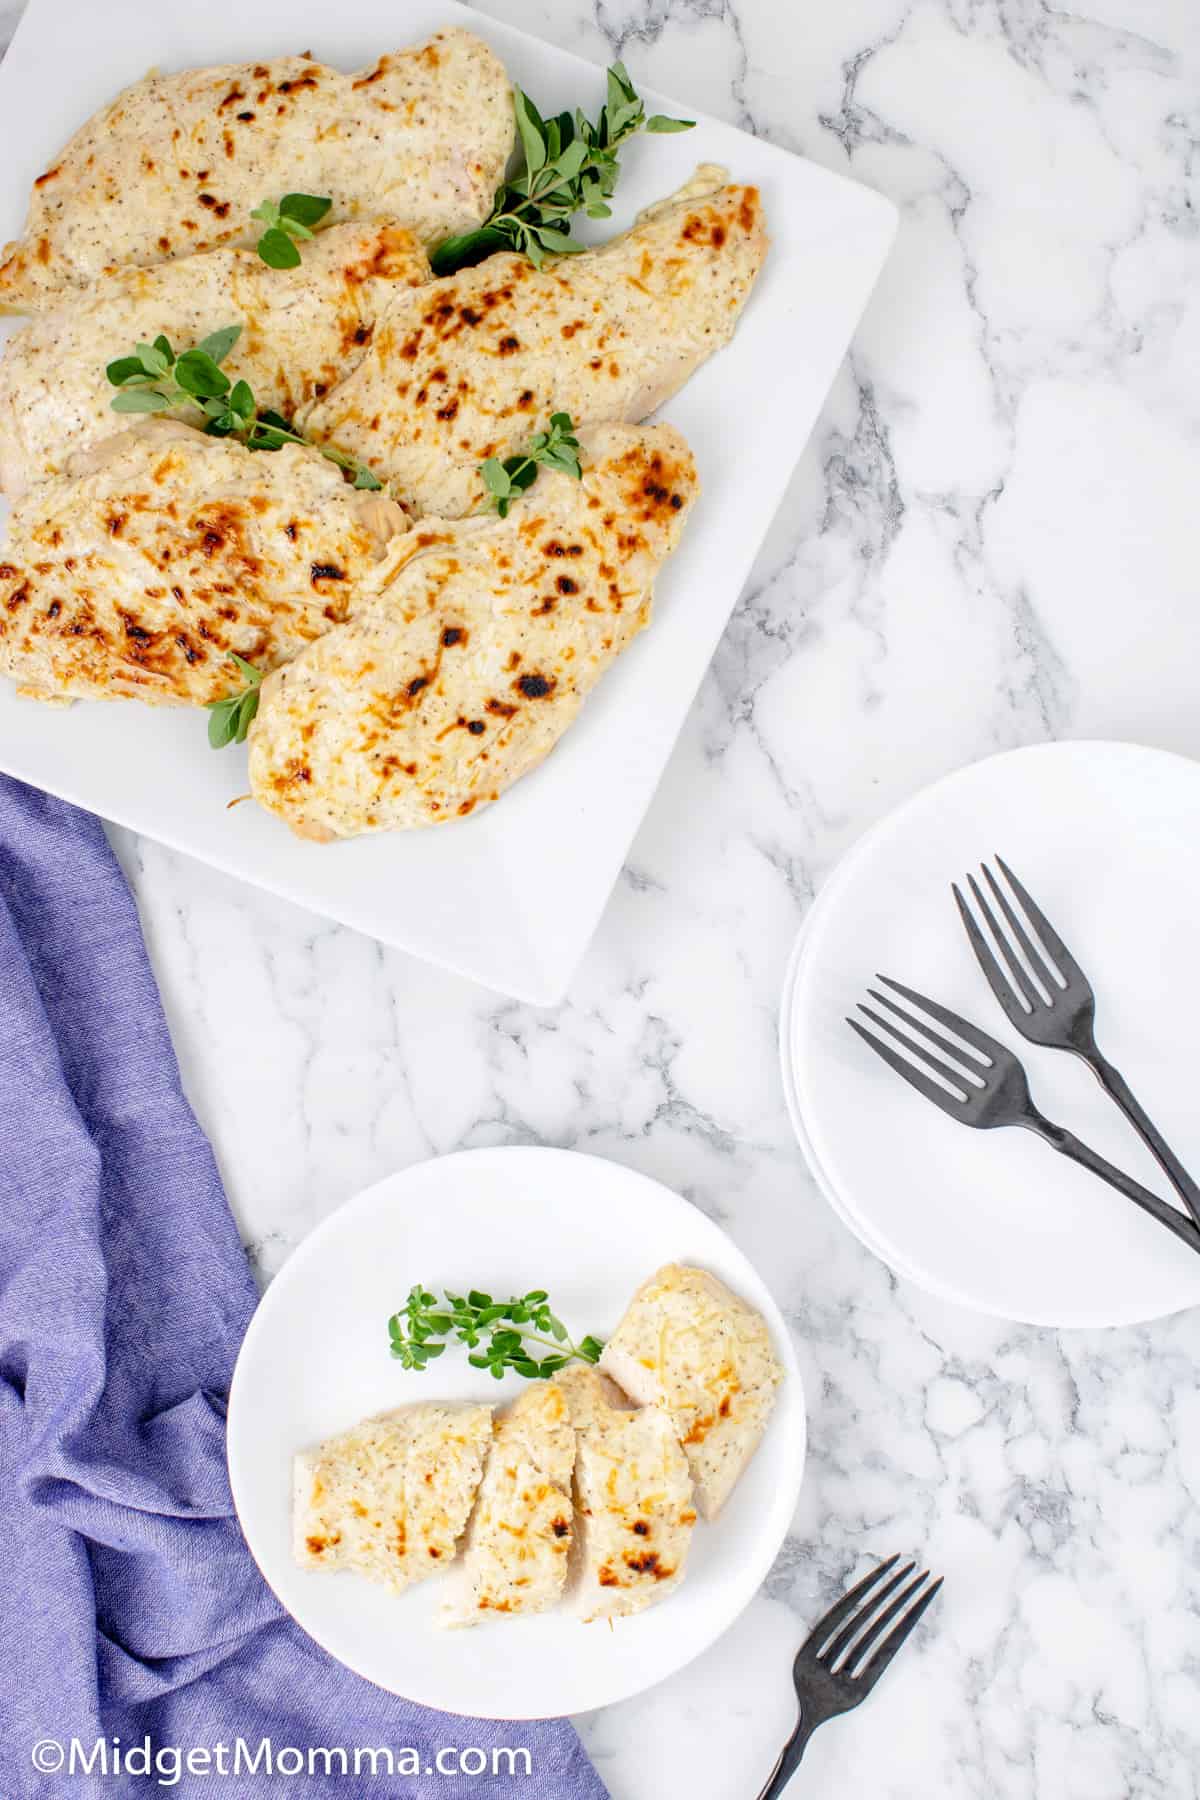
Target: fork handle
(789,1760)
(1067,1144)
(1118,1089)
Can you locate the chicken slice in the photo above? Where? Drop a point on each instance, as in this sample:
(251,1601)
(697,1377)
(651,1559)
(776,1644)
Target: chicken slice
(520,1532)
(302,329)
(390,1498)
(472,646)
(134,575)
(177,163)
(633,1497)
(689,1345)
(471,365)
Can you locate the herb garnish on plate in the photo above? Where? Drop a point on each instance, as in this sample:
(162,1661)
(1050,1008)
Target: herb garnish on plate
(571,166)
(155,379)
(557,448)
(498,1333)
(288,222)
(230,719)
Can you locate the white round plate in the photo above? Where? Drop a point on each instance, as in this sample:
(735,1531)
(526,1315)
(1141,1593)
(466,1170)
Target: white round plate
(315,1360)
(1107,839)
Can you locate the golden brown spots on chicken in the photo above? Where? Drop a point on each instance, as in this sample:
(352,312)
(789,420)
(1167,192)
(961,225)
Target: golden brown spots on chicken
(453,634)
(565,585)
(318,1545)
(320,572)
(535,687)
(50,175)
(648,1562)
(641,1527)
(500,709)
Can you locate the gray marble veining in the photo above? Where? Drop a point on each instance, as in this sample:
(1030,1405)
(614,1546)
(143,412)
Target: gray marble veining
(986,543)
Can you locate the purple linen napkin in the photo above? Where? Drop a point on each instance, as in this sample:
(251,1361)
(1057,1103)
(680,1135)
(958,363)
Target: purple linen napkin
(130,1607)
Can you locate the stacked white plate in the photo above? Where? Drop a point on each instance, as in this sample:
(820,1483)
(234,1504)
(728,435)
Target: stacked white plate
(1106,837)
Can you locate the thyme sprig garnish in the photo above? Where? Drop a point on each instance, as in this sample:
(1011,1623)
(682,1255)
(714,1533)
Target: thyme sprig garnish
(156,379)
(230,719)
(557,448)
(498,1333)
(288,223)
(570,165)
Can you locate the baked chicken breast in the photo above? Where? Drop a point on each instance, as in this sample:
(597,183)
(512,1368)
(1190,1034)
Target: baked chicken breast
(469,366)
(520,1534)
(302,329)
(135,574)
(689,1345)
(633,1497)
(472,646)
(177,163)
(390,1498)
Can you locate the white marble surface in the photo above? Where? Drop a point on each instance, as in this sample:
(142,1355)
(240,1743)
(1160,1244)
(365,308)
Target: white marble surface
(988,542)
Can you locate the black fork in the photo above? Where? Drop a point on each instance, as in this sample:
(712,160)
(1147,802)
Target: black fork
(847,1651)
(985,1086)
(1050,1001)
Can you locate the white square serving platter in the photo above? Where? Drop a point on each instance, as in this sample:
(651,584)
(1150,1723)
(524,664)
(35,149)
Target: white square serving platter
(512,896)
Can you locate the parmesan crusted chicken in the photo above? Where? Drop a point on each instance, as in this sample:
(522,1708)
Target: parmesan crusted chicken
(162,550)
(468,367)
(177,163)
(302,329)
(520,1533)
(472,646)
(391,1497)
(690,1346)
(633,1497)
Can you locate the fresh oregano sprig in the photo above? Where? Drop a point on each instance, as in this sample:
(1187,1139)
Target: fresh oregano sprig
(570,166)
(230,719)
(288,223)
(156,379)
(498,1333)
(557,448)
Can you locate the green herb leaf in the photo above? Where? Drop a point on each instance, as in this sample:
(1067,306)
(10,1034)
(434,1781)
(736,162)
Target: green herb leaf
(218,344)
(660,122)
(139,400)
(229,720)
(556,448)
(278,250)
(305,210)
(197,374)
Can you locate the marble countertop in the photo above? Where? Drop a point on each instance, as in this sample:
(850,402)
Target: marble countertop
(985,545)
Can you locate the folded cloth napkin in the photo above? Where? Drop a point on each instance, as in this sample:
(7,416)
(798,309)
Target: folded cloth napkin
(129,1604)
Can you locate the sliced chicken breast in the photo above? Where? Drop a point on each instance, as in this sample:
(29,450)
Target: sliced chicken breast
(521,1530)
(633,1497)
(177,163)
(302,330)
(136,573)
(689,1345)
(472,647)
(471,365)
(390,1498)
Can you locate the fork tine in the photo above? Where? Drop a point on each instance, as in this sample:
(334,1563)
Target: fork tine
(930,1089)
(882,1623)
(1033,956)
(962,1028)
(948,1070)
(1067,966)
(854,1624)
(841,1609)
(878,1662)
(996,978)
(1020,981)
(935,1037)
